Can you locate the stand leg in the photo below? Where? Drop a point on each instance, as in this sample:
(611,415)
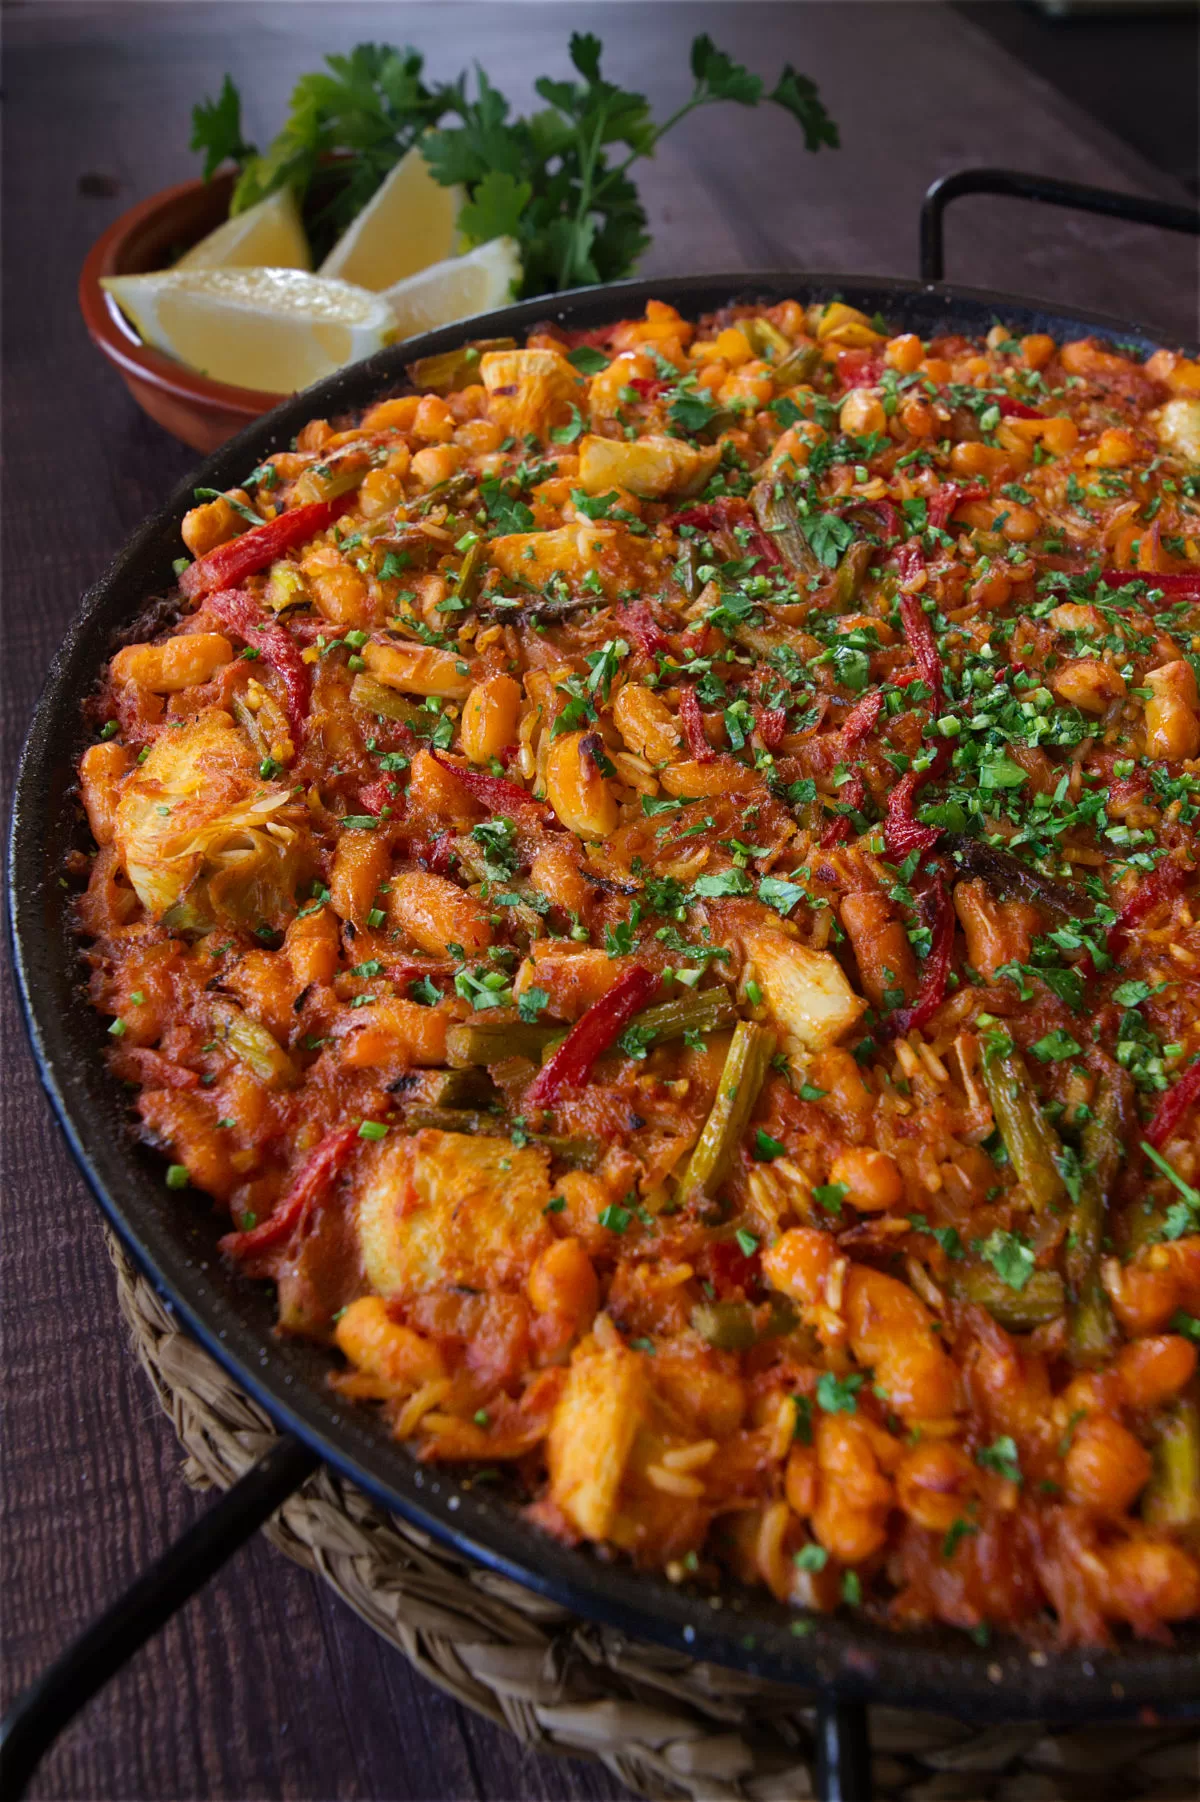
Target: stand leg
(843,1752)
(37,1717)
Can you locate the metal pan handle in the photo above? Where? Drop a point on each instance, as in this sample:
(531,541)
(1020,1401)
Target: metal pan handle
(39,1715)
(1051,192)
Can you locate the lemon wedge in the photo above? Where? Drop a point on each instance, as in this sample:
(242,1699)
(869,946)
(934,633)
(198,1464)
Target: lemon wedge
(455,289)
(273,329)
(405,226)
(268,235)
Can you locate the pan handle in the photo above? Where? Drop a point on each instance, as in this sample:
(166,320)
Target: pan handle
(39,1715)
(1047,189)
(843,1761)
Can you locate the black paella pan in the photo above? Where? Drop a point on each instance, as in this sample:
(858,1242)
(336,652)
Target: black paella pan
(848,1661)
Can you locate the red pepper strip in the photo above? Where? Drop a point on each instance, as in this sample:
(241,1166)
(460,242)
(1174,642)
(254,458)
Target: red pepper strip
(1016,409)
(837,832)
(949,496)
(901,833)
(935,972)
(772,724)
(636,619)
(692,721)
(231,563)
(730,1271)
(648,386)
(496,793)
(315,1180)
(919,637)
(1166,881)
(599,1027)
(1173,1107)
(385,791)
(1171,581)
(859,723)
(241,613)
(724,516)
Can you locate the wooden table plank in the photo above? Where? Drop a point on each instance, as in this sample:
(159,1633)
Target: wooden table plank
(266,1685)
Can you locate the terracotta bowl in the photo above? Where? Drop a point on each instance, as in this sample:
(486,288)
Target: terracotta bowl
(149,236)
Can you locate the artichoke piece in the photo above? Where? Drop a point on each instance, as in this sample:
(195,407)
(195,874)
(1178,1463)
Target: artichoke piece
(737,1325)
(373,697)
(764,339)
(746,1066)
(797,368)
(197,819)
(255,1047)
(450,370)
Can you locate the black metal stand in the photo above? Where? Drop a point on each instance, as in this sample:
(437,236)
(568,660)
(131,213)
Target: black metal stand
(38,1716)
(1047,190)
(843,1761)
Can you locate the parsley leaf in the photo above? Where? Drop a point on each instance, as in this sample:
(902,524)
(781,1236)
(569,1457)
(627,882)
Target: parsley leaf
(217,130)
(1009,1256)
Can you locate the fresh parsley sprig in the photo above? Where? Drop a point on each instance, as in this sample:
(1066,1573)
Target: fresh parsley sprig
(558,180)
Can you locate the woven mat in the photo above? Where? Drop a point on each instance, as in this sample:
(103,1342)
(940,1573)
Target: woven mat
(663,1724)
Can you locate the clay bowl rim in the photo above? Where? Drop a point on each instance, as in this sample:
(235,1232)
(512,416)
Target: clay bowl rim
(116,339)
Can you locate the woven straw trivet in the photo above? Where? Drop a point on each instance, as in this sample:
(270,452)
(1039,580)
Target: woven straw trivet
(663,1724)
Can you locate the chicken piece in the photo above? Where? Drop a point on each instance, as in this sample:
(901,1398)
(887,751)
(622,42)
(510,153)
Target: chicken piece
(441,1208)
(609,1437)
(649,467)
(528,390)
(196,821)
(805,991)
(533,557)
(591,1436)
(1178,428)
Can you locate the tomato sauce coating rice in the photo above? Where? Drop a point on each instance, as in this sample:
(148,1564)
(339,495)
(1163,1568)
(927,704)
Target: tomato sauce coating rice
(654,878)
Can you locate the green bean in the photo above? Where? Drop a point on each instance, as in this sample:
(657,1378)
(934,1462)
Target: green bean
(1031,1142)
(470,574)
(1091,1329)
(698,1010)
(579,1153)
(777,514)
(746,1064)
(686,567)
(469,1088)
(453,369)
(490,1042)
(1042,1299)
(1172,1497)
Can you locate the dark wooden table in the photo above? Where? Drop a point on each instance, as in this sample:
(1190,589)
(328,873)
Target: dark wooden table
(266,1685)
